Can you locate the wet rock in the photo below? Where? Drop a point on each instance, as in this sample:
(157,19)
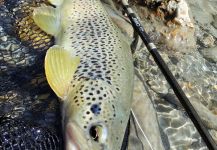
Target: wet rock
(200,11)
(206,115)
(210,54)
(214,23)
(182,14)
(214,134)
(208,41)
(171,10)
(179,39)
(167,34)
(172,6)
(160,25)
(204,15)
(213,106)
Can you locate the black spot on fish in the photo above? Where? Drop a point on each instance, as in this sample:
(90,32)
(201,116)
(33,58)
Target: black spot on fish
(95,109)
(117,89)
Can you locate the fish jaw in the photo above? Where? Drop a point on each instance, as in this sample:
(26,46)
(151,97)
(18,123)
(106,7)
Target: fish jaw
(74,138)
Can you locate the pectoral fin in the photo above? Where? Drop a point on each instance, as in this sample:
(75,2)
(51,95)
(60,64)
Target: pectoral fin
(47,18)
(60,66)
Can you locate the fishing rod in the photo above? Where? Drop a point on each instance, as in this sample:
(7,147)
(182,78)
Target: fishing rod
(193,115)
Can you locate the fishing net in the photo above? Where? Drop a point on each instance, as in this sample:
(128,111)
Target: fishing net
(20,135)
(29,110)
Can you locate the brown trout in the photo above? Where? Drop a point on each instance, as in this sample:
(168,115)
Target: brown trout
(90,68)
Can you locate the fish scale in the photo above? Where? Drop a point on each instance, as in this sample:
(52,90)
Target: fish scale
(96,40)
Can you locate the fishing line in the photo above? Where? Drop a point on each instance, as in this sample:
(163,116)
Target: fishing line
(136,131)
(136,122)
(141,78)
(169,77)
(140,128)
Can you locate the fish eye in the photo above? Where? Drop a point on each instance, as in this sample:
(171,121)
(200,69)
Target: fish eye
(95,132)
(98,133)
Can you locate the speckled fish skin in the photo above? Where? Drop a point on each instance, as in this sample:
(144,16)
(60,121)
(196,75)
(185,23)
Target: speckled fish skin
(103,82)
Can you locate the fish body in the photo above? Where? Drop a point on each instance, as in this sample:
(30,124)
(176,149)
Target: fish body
(91,69)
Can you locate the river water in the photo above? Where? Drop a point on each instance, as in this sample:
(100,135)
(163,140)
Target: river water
(190,52)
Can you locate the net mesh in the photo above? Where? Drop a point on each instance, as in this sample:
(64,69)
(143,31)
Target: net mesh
(19,135)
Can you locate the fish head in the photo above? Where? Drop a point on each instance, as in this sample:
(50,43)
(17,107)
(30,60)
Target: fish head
(93,117)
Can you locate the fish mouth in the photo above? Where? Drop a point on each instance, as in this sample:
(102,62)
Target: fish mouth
(74,138)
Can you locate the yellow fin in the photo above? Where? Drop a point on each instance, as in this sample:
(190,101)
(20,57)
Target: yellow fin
(56,2)
(60,66)
(47,18)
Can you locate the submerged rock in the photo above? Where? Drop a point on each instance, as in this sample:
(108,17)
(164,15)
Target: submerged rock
(189,51)
(210,54)
(147,119)
(182,14)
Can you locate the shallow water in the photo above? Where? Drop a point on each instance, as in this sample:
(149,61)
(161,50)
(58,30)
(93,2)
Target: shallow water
(195,69)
